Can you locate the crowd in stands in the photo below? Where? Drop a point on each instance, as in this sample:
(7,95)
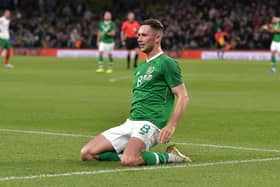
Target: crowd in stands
(190,24)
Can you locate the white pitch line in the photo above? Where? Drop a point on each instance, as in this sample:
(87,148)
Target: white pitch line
(229,147)
(46,133)
(179,143)
(96,172)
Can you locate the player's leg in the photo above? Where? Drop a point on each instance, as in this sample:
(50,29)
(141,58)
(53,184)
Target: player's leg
(136,57)
(110,48)
(128,58)
(108,145)
(219,50)
(95,147)
(222,53)
(100,58)
(7,56)
(128,48)
(5,44)
(145,136)
(132,153)
(273,61)
(136,49)
(273,49)
(135,155)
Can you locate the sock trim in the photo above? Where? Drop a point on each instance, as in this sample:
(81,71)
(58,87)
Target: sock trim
(157,158)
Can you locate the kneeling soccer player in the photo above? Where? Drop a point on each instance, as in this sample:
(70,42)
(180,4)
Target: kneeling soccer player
(151,121)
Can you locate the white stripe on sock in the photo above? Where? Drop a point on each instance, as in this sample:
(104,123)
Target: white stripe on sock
(157,158)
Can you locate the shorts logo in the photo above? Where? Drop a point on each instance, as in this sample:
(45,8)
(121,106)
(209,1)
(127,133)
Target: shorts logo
(144,129)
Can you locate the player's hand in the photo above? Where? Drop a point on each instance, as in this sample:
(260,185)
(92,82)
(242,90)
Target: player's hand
(166,134)
(265,27)
(97,43)
(123,42)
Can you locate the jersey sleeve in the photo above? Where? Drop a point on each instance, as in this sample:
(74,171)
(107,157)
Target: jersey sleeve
(100,27)
(113,27)
(172,73)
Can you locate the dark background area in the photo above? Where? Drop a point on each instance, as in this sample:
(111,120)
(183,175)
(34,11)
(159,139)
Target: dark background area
(190,24)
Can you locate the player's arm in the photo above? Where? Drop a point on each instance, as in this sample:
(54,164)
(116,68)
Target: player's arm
(276,30)
(112,33)
(269,28)
(99,34)
(182,100)
(122,38)
(272,30)
(122,34)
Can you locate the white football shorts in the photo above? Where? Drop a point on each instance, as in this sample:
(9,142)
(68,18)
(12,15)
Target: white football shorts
(106,47)
(275,46)
(120,135)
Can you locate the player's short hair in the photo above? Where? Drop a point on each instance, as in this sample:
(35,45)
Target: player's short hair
(154,24)
(107,11)
(130,12)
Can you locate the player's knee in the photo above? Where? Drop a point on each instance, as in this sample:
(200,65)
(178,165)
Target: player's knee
(126,162)
(129,161)
(85,154)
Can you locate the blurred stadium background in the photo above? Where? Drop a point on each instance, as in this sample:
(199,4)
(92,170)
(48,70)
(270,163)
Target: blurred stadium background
(49,107)
(190,24)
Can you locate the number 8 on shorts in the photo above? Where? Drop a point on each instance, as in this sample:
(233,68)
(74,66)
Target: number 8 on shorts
(144,130)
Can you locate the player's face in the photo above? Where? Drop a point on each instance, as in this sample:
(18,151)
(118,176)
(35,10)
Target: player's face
(147,38)
(7,14)
(274,19)
(130,16)
(107,16)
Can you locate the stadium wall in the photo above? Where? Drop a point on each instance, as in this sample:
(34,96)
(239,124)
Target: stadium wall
(185,54)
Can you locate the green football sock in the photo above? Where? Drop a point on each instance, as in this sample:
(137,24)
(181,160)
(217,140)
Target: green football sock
(273,61)
(100,61)
(111,61)
(152,158)
(109,156)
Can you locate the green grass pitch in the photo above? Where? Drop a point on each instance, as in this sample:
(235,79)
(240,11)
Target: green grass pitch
(231,127)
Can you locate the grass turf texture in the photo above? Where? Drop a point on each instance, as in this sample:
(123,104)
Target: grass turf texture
(232,103)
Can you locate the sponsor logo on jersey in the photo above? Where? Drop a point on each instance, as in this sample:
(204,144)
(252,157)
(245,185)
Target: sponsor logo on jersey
(150,70)
(148,77)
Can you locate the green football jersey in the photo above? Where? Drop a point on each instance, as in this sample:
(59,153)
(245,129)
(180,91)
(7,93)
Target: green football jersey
(276,35)
(106,27)
(152,98)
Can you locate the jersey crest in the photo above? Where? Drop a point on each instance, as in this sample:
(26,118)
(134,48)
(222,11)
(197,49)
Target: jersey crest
(150,70)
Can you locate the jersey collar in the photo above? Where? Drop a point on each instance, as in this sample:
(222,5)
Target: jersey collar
(154,57)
